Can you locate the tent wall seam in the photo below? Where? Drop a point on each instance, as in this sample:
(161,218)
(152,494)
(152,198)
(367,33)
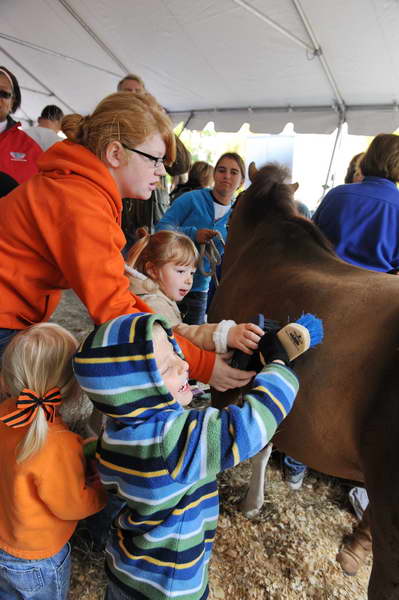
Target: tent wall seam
(93,35)
(320,55)
(51,93)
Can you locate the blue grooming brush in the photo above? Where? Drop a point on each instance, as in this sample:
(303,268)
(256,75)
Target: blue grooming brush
(299,336)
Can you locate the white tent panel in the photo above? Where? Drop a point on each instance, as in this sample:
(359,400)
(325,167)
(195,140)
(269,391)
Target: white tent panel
(260,120)
(371,122)
(265,62)
(360,41)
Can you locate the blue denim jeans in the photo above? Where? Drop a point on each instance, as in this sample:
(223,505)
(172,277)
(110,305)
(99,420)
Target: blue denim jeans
(113,592)
(193,308)
(99,524)
(45,579)
(294,465)
(5,336)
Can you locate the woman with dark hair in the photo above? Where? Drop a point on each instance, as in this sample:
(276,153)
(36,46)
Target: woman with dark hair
(354,174)
(18,151)
(199,176)
(362,219)
(203,214)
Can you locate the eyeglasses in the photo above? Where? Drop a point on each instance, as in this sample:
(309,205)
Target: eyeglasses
(6,95)
(158,161)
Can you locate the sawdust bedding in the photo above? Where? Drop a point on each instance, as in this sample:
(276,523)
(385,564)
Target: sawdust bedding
(286,553)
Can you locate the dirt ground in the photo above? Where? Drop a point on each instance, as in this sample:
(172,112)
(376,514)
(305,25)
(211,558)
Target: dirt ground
(287,553)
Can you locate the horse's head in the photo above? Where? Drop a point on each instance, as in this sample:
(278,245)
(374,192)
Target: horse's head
(267,208)
(267,193)
(269,168)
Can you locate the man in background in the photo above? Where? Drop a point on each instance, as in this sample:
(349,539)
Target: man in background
(140,213)
(48,126)
(131,83)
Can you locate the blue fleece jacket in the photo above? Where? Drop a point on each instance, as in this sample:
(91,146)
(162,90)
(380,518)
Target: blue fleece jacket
(362,221)
(189,213)
(162,460)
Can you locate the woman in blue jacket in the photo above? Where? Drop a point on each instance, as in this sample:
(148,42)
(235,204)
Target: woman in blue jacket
(362,219)
(200,214)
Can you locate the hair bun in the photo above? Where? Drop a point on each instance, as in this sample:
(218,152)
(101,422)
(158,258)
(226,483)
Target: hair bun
(75,127)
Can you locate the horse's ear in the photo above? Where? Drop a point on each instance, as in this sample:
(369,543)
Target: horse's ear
(252,171)
(294,187)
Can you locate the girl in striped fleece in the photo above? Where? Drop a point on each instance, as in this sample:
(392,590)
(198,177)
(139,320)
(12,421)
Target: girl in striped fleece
(161,459)
(43,486)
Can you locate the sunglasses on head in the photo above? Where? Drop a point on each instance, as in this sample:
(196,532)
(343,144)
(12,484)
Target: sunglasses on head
(6,95)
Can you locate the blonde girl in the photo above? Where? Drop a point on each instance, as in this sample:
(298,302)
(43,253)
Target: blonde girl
(43,486)
(160,268)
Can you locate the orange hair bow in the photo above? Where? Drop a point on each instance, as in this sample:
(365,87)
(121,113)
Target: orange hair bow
(28,404)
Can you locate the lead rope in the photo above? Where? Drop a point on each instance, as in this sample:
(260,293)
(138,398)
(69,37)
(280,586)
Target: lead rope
(209,251)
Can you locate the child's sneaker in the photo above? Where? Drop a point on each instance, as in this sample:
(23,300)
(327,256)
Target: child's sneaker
(293,478)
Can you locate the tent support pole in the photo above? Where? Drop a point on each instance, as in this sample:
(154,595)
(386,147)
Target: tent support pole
(275,25)
(326,185)
(317,51)
(93,35)
(187,121)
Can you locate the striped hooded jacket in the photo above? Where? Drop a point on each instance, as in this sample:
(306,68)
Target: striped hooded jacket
(163,459)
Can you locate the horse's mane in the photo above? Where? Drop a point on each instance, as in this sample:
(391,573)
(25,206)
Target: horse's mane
(269,195)
(312,231)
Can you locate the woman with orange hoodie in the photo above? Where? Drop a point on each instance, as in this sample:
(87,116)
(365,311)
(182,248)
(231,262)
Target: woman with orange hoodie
(61,228)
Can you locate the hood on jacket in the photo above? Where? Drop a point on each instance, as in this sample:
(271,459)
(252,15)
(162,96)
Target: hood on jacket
(140,283)
(67,158)
(117,369)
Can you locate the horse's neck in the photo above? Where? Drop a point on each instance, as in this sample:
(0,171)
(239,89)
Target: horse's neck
(272,243)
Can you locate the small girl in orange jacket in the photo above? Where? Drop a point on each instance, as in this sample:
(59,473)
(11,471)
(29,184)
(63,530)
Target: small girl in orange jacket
(44,489)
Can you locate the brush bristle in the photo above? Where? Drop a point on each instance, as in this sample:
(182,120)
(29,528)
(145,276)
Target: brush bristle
(315,327)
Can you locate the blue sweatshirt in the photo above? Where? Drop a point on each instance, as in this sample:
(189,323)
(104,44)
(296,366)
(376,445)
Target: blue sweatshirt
(362,222)
(163,460)
(189,213)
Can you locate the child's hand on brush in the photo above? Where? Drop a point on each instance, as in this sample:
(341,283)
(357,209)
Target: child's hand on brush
(244,337)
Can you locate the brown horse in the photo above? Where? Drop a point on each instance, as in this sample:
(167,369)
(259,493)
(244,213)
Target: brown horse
(345,421)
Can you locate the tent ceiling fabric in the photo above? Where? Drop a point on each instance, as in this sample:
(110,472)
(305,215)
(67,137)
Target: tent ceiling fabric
(219,60)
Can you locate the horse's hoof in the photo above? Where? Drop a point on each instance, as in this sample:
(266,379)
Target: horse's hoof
(351,561)
(252,513)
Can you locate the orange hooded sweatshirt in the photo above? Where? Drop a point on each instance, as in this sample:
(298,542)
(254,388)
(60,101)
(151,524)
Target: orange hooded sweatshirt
(42,498)
(60,230)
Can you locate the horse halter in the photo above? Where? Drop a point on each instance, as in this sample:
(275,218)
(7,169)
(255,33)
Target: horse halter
(209,251)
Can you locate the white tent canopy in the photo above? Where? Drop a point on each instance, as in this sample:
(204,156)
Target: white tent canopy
(316,63)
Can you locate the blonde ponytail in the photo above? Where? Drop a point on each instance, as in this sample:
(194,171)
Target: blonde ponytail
(138,248)
(40,359)
(34,439)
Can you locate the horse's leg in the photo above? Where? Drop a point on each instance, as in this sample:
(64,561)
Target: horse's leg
(384,579)
(255,497)
(357,549)
(384,519)
(379,446)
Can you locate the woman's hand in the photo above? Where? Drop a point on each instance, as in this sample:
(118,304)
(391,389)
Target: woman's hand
(225,377)
(245,337)
(204,235)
